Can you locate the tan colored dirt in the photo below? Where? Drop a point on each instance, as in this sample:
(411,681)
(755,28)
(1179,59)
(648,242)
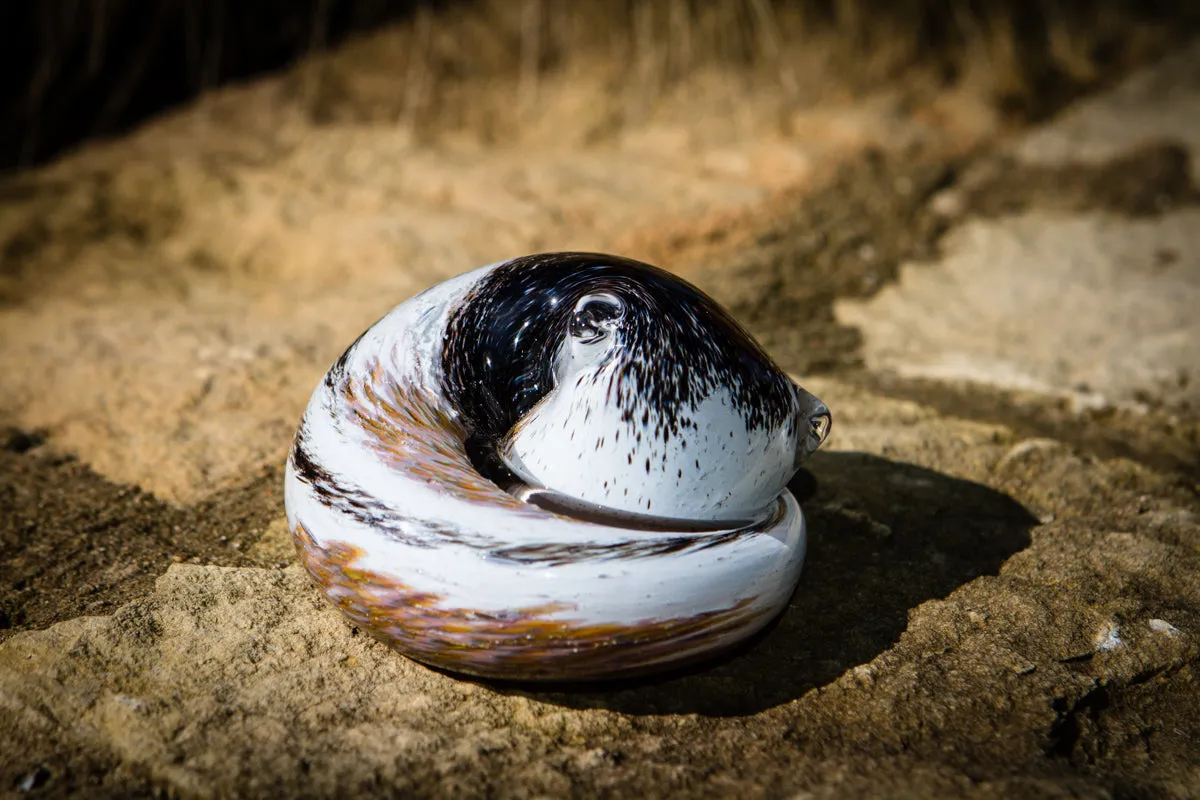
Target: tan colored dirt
(169,301)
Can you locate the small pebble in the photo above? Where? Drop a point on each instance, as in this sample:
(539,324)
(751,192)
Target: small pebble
(948,203)
(1162,626)
(1109,638)
(33,780)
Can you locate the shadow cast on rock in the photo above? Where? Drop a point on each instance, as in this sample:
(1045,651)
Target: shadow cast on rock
(884,537)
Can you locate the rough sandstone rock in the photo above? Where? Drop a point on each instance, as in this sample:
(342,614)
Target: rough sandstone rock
(942,640)
(1095,306)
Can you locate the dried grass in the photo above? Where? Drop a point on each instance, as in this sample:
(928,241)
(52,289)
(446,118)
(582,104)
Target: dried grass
(73,69)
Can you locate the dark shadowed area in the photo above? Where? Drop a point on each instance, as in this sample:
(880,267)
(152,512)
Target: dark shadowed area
(888,536)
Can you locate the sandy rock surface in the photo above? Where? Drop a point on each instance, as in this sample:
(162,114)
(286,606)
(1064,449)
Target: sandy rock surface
(943,639)
(1002,596)
(1096,305)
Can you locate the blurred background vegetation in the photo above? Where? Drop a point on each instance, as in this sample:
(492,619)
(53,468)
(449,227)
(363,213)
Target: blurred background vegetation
(71,70)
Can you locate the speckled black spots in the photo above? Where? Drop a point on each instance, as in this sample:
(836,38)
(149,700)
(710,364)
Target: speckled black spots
(647,466)
(676,346)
